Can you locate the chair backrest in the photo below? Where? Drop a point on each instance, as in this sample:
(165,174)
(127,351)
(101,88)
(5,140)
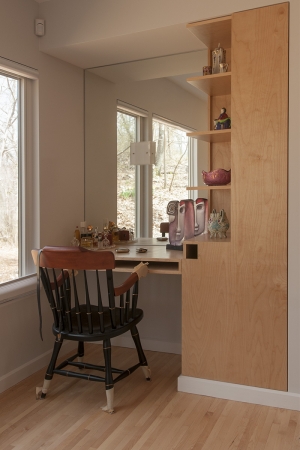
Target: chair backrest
(69,292)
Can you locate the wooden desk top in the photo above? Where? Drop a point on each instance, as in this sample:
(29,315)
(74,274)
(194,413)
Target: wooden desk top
(160,259)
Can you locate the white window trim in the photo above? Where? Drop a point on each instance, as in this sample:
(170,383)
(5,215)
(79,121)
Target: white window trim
(141,172)
(24,285)
(17,289)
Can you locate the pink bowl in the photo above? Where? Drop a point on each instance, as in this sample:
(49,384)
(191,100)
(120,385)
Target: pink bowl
(218,177)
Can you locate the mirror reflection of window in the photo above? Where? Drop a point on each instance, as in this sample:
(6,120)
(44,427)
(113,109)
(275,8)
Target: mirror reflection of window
(126,133)
(171,169)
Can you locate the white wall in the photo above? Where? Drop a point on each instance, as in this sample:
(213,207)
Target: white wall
(61,179)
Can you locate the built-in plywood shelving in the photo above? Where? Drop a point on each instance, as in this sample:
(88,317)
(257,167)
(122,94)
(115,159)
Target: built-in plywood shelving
(212,136)
(218,84)
(212,32)
(234,290)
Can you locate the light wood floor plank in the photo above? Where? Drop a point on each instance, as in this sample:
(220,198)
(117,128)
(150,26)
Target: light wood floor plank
(149,415)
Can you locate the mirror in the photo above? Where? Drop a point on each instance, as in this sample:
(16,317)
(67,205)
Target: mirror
(156,86)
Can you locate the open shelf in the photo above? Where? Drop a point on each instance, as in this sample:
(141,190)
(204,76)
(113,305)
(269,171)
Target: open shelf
(161,267)
(206,238)
(212,32)
(217,84)
(212,136)
(208,188)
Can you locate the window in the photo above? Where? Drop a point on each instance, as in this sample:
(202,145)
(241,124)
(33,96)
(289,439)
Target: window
(144,191)
(171,172)
(131,127)
(18,170)
(126,176)
(9,177)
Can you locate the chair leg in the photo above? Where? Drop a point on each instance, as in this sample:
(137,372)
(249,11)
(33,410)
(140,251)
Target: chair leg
(80,351)
(42,391)
(109,382)
(142,358)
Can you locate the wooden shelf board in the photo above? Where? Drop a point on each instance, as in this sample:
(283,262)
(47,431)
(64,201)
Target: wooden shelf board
(212,32)
(212,136)
(213,85)
(208,188)
(168,268)
(206,238)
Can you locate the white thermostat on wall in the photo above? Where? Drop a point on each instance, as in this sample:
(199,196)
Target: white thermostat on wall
(142,153)
(39,27)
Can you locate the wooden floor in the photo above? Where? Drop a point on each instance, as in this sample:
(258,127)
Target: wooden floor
(149,415)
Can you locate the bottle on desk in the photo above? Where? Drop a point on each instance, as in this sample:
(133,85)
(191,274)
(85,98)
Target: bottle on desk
(77,233)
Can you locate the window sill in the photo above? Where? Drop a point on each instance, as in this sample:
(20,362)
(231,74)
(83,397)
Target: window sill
(17,289)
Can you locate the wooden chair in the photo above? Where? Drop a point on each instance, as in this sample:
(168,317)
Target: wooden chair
(68,286)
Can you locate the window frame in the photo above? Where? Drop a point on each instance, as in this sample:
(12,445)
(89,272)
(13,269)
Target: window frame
(141,116)
(29,222)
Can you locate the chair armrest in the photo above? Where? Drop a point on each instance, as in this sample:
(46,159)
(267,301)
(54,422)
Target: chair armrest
(60,279)
(131,280)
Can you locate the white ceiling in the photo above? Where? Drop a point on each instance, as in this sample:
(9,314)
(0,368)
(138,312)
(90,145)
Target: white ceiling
(176,68)
(146,50)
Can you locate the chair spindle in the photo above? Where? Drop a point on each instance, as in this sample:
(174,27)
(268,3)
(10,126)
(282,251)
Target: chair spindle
(100,304)
(88,304)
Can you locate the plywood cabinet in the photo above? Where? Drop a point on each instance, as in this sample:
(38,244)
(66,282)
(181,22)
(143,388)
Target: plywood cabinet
(235,291)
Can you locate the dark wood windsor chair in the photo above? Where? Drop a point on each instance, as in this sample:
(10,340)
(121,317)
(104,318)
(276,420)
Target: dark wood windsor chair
(63,272)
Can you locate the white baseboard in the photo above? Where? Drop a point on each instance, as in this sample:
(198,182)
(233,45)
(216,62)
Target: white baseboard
(20,373)
(149,344)
(239,393)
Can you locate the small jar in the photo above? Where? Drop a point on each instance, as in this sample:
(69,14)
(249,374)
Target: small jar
(86,241)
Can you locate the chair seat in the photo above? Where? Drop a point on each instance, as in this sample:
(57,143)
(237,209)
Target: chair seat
(97,335)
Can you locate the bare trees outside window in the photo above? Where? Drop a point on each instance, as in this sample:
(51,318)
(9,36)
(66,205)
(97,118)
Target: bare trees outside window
(9,178)
(126,133)
(170,172)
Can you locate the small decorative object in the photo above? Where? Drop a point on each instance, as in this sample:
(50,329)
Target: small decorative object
(207,70)
(201,216)
(181,222)
(218,224)
(124,235)
(223,122)
(224,67)
(187,218)
(218,177)
(218,57)
(75,242)
(176,221)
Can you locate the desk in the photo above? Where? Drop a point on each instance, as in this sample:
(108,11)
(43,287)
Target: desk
(160,290)
(159,332)
(161,260)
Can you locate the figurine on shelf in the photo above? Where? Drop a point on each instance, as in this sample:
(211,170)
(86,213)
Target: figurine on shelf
(218,224)
(218,57)
(223,122)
